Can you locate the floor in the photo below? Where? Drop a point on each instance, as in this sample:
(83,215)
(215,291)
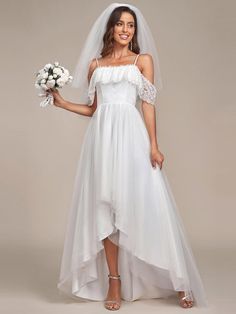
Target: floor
(29,276)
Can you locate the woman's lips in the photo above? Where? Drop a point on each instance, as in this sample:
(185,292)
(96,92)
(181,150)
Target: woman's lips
(124,37)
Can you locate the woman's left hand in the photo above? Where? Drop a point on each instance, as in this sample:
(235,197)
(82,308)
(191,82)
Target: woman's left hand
(156,157)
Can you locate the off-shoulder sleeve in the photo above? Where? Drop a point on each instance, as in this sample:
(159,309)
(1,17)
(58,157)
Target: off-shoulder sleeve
(91,96)
(91,91)
(147,91)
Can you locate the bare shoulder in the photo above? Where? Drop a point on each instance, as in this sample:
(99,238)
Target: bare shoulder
(145,61)
(92,66)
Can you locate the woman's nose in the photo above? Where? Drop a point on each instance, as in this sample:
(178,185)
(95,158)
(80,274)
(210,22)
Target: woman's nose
(124,28)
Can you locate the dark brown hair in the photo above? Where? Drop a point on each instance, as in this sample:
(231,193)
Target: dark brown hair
(108,35)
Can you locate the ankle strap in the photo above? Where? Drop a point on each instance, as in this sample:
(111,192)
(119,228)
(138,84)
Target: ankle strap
(114,277)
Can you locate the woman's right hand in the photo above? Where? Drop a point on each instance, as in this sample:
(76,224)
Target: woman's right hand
(59,101)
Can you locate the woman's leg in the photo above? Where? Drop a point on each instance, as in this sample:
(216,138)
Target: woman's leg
(112,251)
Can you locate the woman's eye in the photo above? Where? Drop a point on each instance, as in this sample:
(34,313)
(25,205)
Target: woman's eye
(130,25)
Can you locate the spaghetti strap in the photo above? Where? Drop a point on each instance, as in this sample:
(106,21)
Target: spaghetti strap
(136,59)
(97,62)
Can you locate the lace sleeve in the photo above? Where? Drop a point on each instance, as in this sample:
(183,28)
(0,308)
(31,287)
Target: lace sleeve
(91,92)
(147,91)
(91,96)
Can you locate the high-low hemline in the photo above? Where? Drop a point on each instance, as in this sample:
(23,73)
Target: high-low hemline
(116,188)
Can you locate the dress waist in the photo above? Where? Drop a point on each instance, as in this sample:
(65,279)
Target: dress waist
(111,103)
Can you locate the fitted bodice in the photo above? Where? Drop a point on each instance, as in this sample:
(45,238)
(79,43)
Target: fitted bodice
(122,91)
(120,84)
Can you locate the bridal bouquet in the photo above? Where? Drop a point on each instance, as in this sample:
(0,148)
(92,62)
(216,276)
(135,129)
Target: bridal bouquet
(51,76)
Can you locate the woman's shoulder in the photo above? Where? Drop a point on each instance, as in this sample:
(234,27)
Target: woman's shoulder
(145,60)
(92,67)
(146,66)
(93,63)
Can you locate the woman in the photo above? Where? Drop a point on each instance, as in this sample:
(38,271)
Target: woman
(123,219)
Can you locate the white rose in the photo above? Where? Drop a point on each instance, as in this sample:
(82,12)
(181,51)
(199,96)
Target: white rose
(50,83)
(45,75)
(57,71)
(47,66)
(54,75)
(50,77)
(56,63)
(64,78)
(60,82)
(37,85)
(44,86)
(43,81)
(70,78)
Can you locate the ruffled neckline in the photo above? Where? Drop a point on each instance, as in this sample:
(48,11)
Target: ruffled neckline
(114,66)
(114,73)
(117,73)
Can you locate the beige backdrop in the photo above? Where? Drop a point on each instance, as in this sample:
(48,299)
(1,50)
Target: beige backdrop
(196,115)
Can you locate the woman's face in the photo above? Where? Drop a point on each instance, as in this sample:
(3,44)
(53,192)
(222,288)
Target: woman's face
(124,29)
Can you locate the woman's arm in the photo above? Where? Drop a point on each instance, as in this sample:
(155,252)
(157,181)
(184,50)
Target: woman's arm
(149,115)
(149,112)
(81,109)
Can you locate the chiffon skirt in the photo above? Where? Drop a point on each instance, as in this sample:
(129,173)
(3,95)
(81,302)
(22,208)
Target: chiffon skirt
(118,194)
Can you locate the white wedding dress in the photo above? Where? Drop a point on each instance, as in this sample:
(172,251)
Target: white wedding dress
(118,194)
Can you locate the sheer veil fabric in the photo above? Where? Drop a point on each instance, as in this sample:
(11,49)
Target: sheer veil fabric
(93,45)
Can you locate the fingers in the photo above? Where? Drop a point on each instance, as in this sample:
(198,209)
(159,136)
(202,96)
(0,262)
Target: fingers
(155,164)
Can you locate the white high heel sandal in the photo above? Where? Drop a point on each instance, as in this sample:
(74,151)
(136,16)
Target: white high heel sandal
(186,297)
